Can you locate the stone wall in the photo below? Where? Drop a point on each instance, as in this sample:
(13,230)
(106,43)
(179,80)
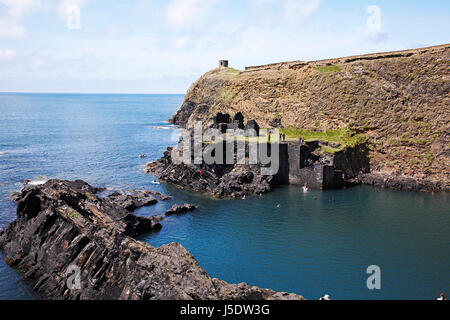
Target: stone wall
(296,168)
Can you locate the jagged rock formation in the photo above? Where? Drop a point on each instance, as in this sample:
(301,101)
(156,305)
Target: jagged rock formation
(180,209)
(63,225)
(398,100)
(219,180)
(132,200)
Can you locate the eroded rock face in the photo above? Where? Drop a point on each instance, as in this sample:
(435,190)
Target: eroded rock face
(62,225)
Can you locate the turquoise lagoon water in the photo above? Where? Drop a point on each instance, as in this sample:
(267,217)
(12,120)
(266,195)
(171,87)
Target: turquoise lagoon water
(314,243)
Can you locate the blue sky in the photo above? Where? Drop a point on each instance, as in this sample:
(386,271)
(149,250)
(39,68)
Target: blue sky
(153,46)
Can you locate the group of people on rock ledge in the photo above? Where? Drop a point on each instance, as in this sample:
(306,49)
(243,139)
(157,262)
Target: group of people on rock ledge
(282,137)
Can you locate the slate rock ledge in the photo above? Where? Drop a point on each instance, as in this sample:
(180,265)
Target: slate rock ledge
(62,224)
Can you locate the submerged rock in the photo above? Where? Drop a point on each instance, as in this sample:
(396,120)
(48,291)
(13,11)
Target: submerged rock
(65,232)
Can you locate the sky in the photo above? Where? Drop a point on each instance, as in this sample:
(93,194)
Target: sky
(155,46)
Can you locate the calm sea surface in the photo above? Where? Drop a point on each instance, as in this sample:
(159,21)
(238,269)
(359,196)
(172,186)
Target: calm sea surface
(314,243)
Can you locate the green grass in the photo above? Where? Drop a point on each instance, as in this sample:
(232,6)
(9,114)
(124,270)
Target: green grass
(231,71)
(227,95)
(345,137)
(331,68)
(428,157)
(408,142)
(325,149)
(73,213)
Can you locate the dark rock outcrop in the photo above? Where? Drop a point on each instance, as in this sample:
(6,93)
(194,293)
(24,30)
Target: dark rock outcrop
(221,118)
(132,200)
(217,180)
(64,227)
(239,119)
(182,116)
(401,183)
(276,123)
(252,125)
(180,209)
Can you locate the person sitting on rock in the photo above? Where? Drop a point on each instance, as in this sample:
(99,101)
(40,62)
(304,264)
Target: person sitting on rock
(442,296)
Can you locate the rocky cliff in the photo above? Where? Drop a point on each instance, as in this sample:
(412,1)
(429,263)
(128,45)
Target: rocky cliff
(70,243)
(399,100)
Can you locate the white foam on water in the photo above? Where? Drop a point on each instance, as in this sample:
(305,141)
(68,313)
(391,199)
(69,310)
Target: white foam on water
(15,151)
(37,182)
(2,153)
(162,127)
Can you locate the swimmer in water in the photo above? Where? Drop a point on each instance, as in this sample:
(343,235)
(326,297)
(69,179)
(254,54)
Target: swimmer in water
(305,187)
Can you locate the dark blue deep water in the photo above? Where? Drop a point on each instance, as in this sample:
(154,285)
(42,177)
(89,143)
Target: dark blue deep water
(314,243)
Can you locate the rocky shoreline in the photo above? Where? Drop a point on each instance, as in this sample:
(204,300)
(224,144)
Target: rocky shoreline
(217,181)
(65,226)
(241,180)
(400,183)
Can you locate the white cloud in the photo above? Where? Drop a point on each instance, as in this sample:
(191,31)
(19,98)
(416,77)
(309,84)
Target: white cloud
(297,11)
(11,22)
(180,42)
(189,13)
(18,8)
(11,29)
(285,11)
(7,54)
